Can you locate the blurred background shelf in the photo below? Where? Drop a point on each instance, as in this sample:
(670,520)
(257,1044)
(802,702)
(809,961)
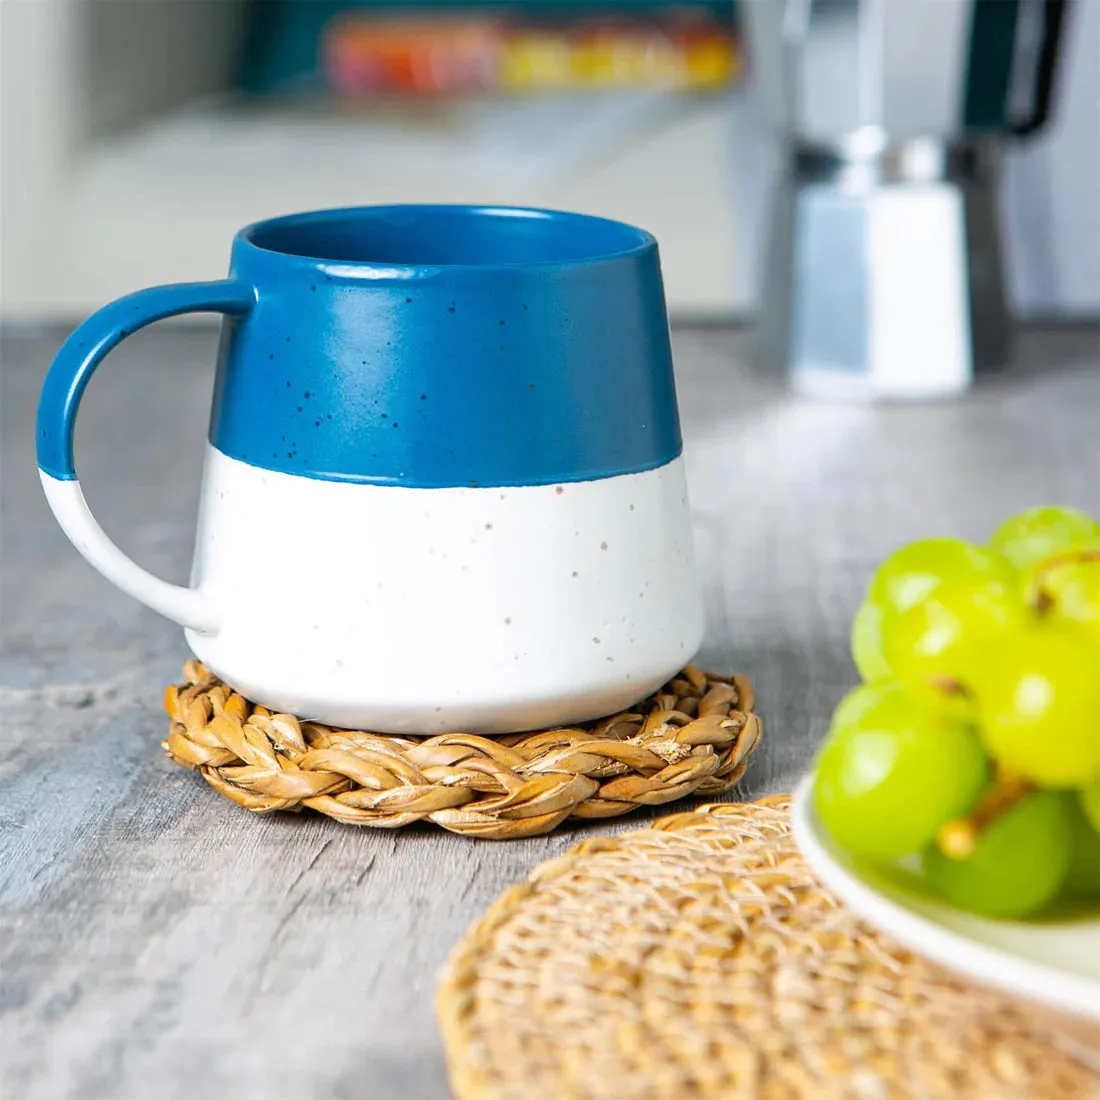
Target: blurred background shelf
(160,202)
(130,157)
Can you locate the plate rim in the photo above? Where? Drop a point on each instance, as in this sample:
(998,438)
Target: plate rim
(955,951)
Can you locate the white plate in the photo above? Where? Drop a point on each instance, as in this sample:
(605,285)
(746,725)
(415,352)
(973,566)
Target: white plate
(1056,962)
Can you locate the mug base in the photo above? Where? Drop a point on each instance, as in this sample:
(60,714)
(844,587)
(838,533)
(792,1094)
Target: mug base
(488,718)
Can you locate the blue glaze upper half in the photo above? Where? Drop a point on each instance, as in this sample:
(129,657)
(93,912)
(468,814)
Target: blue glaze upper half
(445,346)
(441,346)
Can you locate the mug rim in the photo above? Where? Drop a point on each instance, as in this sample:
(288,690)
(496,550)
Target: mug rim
(640,240)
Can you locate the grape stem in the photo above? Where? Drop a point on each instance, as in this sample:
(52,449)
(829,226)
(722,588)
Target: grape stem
(1072,557)
(1042,601)
(957,839)
(948,685)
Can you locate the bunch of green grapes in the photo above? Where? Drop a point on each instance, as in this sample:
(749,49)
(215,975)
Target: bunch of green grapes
(974,740)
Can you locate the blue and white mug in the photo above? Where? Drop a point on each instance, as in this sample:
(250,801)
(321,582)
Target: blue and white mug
(443,488)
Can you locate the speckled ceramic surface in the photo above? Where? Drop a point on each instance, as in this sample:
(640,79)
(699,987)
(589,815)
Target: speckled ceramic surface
(426,610)
(443,484)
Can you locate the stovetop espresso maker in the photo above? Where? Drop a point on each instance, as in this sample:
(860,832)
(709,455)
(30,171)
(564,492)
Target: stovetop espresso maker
(883,273)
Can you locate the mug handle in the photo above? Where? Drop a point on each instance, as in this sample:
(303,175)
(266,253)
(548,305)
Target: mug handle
(72,368)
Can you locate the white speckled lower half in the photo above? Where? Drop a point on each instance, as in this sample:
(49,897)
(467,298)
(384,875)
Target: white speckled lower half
(425,610)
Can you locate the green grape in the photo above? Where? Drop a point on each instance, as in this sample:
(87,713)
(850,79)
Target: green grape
(889,778)
(935,646)
(1089,798)
(1018,864)
(1070,590)
(1083,878)
(860,700)
(908,575)
(867,644)
(1039,533)
(1038,693)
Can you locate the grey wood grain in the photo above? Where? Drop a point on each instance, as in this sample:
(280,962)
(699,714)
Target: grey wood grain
(157,941)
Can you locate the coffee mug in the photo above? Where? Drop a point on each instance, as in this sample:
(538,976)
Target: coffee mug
(443,487)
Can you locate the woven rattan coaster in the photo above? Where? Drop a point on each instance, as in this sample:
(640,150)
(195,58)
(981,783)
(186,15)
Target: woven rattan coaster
(693,737)
(700,958)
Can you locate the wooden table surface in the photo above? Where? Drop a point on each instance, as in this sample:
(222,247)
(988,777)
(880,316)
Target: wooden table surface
(158,941)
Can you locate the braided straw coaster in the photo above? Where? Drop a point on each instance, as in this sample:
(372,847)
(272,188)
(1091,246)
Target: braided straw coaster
(700,958)
(693,737)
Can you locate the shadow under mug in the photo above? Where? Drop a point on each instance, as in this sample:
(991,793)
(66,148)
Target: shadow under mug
(443,487)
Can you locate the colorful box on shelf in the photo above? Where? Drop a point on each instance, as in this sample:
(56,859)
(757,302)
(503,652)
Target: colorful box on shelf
(363,54)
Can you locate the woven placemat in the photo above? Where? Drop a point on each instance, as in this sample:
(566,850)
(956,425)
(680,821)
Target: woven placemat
(700,958)
(694,736)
